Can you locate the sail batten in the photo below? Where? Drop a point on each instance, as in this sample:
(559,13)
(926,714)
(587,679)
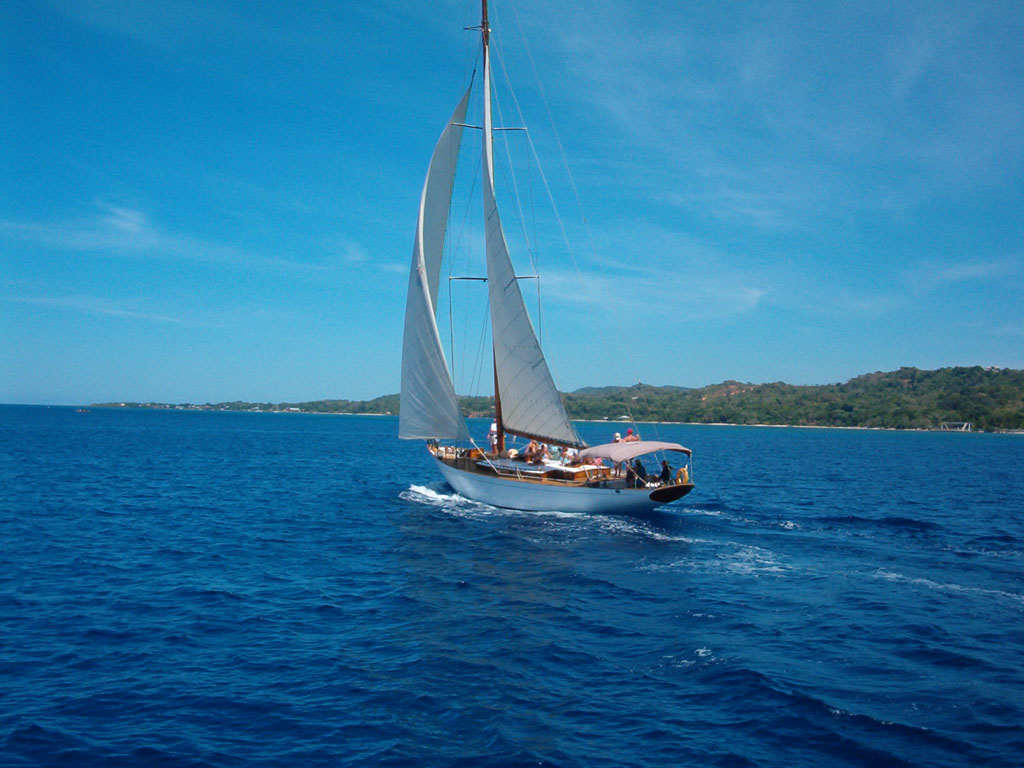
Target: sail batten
(429,406)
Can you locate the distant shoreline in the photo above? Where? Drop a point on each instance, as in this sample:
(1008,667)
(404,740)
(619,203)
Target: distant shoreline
(610,422)
(980,399)
(803,426)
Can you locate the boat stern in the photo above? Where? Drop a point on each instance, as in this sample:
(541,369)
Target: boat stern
(669,493)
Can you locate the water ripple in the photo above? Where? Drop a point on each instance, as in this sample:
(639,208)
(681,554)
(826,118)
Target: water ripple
(207,589)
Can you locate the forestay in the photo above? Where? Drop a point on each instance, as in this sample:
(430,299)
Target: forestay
(429,407)
(530,403)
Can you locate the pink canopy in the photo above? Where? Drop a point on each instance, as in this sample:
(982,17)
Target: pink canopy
(625,451)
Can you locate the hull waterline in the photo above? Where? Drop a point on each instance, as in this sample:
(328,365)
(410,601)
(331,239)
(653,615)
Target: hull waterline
(537,497)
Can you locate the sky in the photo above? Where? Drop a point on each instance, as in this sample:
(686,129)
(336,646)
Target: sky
(211,201)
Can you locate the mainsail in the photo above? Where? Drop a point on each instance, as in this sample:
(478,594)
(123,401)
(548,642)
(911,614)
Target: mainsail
(429,407)
(530,403)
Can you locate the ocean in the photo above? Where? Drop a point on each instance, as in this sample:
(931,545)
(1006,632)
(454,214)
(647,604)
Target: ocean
(241,589)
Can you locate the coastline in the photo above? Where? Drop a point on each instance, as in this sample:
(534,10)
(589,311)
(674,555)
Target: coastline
(805,426)
(296,411)
(908,399)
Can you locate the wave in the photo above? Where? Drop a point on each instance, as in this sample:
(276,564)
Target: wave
(781,712)
(895,522)
(1012,597)
(732,557)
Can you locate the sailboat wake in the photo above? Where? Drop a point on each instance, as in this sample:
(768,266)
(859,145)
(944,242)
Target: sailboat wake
(441,495)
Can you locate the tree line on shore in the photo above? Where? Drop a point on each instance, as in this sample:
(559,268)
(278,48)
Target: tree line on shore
(990,399)
(910,398)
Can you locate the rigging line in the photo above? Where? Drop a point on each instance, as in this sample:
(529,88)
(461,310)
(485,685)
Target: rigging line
(533,201)
(469,201)
(477,380)
(647,404)
(536,158)
(558,141)
(471,45)
(540,168)
(464,230)
(451,333)
(465,213)
(453,247)
(590,235)
(520,216)
(531,244)
(512,172)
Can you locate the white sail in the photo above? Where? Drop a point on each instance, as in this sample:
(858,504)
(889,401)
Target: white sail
(530,403)
(429,407)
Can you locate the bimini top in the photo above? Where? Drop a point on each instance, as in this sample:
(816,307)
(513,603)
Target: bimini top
(625,451)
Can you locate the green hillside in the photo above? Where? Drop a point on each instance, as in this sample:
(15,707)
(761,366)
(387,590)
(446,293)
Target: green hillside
(905,399)
(989,398)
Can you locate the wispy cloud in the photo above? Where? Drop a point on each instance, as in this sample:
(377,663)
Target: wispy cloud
(1011,330)
(920,48)
(927,276)
(92,305)
(173,25)
(774,120)
(119,231)
(351,252)
(654,295)
(166,25)
(354,256)
(115,231)
(665,274)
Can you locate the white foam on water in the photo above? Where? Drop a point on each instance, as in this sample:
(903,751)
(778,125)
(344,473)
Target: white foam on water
(426,494)
(995,553)
(695,511)
(749,560)
(698,656)
(671,537)
(443,498)
(725,556)
(955,588)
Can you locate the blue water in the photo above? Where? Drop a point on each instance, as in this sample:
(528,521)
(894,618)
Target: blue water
(216,589)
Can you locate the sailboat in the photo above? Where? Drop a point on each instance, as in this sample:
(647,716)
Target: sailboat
(526,402)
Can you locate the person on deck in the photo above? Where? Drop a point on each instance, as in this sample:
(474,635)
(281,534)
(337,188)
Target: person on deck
(640,472)
(542,454)
(492,437)
(630,476)
(531,450)
(535,452)
(631,437)
(666,472)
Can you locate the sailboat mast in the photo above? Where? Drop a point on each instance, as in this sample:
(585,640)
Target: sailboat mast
(485,32)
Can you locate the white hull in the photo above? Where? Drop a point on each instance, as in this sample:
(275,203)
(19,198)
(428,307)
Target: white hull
(517,494)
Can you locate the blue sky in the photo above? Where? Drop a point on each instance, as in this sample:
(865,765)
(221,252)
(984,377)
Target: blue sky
(206,201)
